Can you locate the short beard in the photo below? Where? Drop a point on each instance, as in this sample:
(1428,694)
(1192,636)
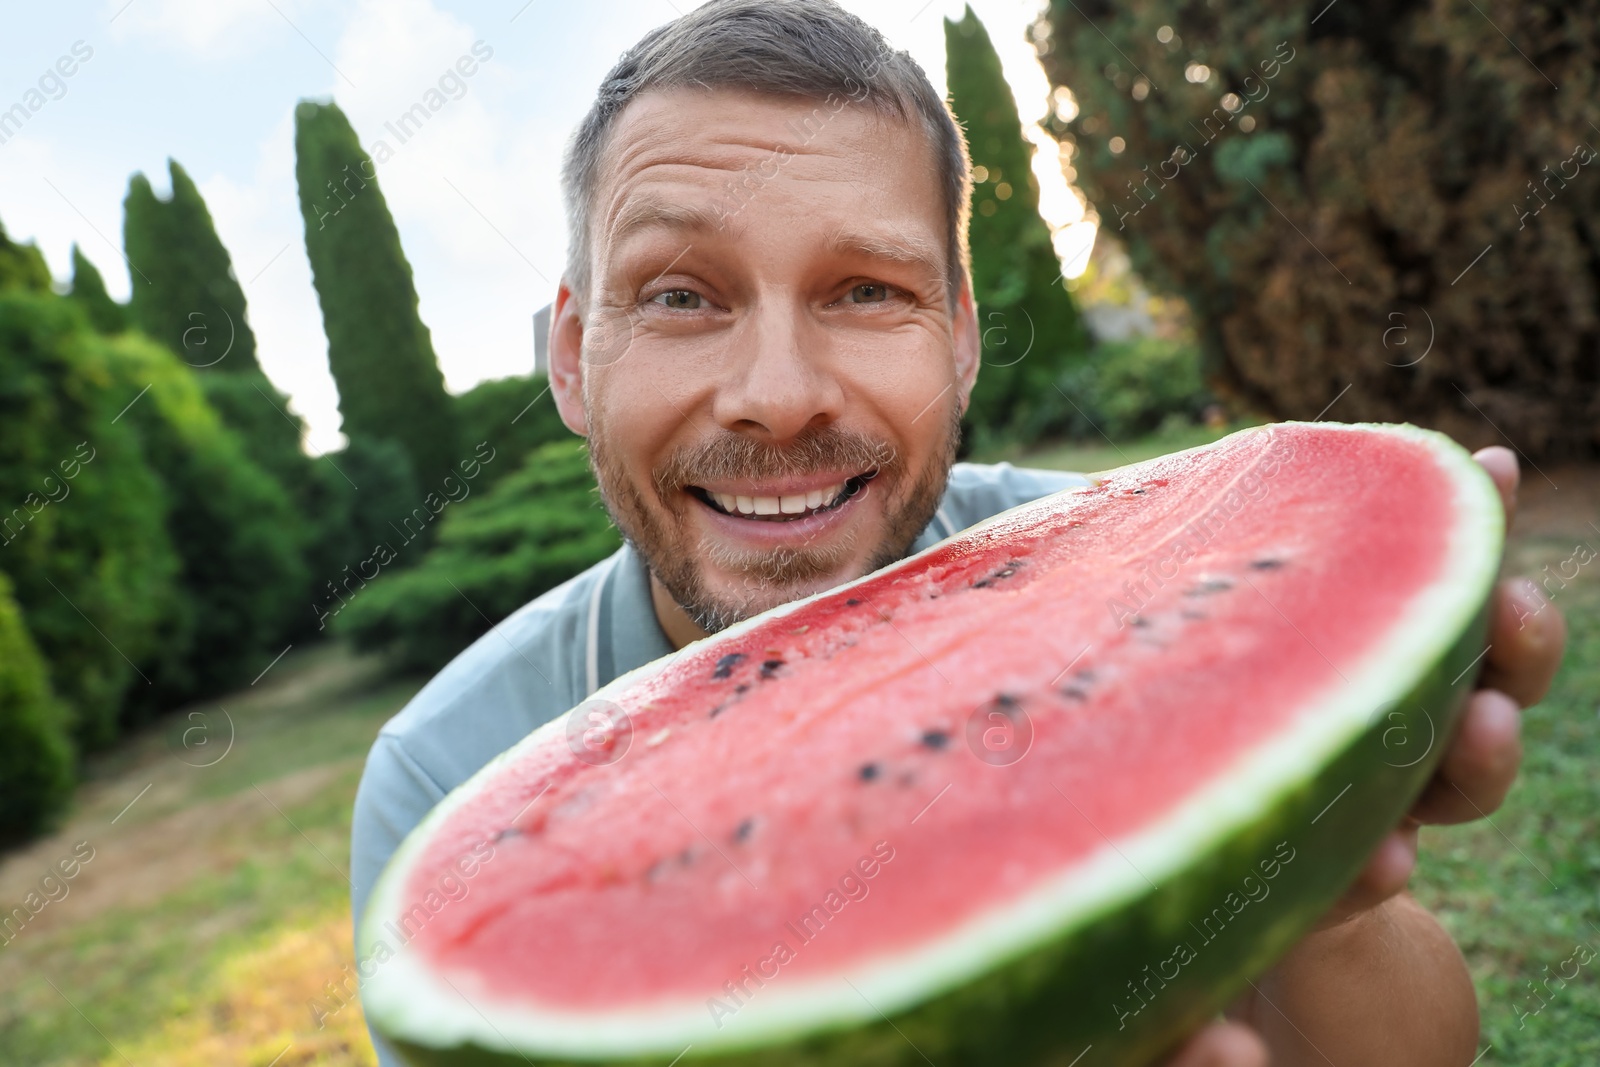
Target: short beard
(775,577)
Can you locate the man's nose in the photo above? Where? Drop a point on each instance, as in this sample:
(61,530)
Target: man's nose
(780,376)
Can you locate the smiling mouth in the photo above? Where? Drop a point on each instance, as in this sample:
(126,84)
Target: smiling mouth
(784,508)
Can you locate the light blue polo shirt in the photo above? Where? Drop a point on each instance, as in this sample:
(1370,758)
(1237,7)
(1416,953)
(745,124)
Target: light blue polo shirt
(547,657)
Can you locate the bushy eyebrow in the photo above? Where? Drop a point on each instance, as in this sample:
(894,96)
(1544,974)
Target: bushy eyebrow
(689,219)
(899,248)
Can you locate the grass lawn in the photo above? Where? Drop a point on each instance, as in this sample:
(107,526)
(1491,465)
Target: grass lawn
(214,910)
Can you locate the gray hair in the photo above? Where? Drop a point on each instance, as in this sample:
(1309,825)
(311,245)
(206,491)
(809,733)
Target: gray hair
(799,48)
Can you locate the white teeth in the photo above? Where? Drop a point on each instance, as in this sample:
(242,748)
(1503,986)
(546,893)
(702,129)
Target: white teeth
(792,504)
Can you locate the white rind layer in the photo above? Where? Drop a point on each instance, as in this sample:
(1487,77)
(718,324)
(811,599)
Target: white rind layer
(408,1000)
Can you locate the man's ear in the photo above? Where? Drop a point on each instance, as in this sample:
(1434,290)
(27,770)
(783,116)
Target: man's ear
(968,344)
(566,360)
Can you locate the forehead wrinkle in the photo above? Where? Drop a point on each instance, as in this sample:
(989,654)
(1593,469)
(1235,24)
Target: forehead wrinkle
(638,213)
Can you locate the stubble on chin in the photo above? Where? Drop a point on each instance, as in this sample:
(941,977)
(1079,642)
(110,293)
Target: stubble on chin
(749,582)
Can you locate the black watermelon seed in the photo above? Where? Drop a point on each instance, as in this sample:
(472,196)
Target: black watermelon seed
(935,739)
(770,667)
(726,664)
(868,771)
(1138,621)
(1209,586)
(741,687)
(1073,692)
(718,710)
(686,857)
(507,832)
(742,831)
(1265,564)
(852,602)
(1190,614)
(1006,703)
(1137,492)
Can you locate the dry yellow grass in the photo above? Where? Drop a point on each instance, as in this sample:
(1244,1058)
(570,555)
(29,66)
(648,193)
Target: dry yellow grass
(260,1011)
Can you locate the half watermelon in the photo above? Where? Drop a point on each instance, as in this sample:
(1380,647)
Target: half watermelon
(1049,792)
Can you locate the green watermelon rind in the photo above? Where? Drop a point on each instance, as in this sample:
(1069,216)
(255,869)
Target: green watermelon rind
(1058,995)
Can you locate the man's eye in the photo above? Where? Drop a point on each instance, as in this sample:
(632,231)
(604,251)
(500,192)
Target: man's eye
(870,293)
(682,299)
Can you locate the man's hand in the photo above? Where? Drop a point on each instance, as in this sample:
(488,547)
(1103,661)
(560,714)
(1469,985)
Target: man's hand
(1527,636)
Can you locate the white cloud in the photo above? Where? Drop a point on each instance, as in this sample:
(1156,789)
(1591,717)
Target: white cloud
(207,29)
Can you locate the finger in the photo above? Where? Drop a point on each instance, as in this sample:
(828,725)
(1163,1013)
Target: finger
(1527,636)
(1481,764)
(1501,463)
(1387,871)
(1222,1044)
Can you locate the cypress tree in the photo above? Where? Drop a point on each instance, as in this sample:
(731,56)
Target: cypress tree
(185,294)
(89,291)
(379,350)
(1030,327)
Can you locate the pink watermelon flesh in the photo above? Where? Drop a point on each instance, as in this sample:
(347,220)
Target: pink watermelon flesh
(761,772)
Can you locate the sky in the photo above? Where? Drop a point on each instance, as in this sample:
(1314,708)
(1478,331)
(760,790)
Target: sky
(475,193)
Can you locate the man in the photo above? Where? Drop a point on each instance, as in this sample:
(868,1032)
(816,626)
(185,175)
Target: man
(766,332)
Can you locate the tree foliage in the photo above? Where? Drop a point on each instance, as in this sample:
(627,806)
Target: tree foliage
(1030,327)
(185,293)
(84,532)
(186,296)
(538,527)
(36,756)
(379,350)
(515,416)
(238,538)
(89,291)
(1391,205)
(22,266)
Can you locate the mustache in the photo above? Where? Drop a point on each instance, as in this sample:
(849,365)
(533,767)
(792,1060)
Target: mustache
(732,455)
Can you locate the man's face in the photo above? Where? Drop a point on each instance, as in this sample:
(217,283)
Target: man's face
(772,367)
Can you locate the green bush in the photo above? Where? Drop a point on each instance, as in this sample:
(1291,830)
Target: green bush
(515,416)
(22,266)
(360,495)
(240,541)
(84,528)
(535,529)
(1132,387)
(36,758)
